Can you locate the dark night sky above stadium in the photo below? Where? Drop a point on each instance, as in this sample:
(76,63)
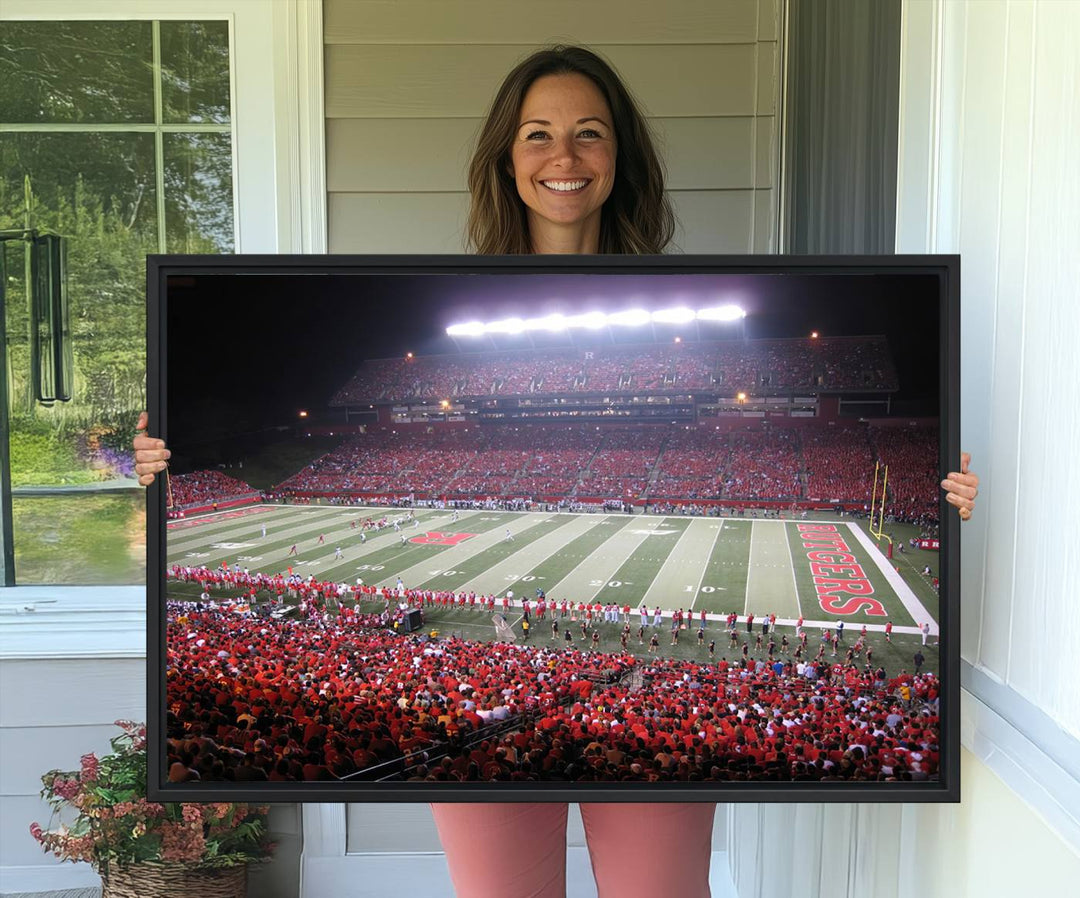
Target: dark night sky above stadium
(255,349)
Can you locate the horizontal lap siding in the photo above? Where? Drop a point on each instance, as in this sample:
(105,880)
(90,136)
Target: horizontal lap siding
(524,22)
(460,81)
(53,712)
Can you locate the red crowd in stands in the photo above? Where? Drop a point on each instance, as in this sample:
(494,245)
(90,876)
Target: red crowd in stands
(321,698)
(911,454)
(206,487)
(828,363)
(823,463)
(764,465)
(839,463)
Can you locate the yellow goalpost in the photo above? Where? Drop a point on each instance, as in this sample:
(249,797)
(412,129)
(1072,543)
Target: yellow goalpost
(879,504)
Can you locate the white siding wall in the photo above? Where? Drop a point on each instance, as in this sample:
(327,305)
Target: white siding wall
(68,670)
(1009,201)
(989,143)
(408,82)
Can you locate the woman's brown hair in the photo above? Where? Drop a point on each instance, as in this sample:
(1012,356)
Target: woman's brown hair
(637,216)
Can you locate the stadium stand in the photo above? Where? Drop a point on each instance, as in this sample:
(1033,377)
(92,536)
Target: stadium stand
(839,463)
(777,365)
(756,463)
(325,698)
(911,454)
(206,487)
(764,465)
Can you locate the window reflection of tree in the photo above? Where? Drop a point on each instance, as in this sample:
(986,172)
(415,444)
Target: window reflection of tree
(94,150)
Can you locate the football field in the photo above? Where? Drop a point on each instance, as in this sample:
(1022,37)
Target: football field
(823,570)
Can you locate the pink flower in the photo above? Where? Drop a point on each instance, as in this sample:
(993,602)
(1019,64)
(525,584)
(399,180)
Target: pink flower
(65,788)
(37,832)
(151,808)
(89,768)
(181,842)
(192,813)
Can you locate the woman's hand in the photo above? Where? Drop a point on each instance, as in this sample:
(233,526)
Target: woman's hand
(962,487)
(150,453)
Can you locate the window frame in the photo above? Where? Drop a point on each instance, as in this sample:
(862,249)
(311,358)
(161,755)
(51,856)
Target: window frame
(276,59)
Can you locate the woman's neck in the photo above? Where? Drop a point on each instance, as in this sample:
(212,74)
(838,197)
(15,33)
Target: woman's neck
(578,238)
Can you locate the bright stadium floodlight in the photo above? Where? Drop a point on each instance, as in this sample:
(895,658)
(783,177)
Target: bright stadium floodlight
(630,318)
(553,323)
(590,320)
(469,329)
(678,315)
(721,313)
(505,326)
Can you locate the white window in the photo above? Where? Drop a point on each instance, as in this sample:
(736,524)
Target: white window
(131,129)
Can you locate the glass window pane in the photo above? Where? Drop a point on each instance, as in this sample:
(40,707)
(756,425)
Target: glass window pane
(195,72)
(73,520)
(81,539)
(98,191)
(198,193)
(76,72)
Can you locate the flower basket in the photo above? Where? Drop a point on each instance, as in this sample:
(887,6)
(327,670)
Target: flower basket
(148,849)
(173,881)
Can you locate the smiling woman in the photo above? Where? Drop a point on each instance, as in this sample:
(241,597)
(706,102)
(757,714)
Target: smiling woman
(563,162)
(563,117)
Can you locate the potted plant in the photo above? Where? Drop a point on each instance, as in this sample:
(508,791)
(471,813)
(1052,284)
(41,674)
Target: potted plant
(143,848)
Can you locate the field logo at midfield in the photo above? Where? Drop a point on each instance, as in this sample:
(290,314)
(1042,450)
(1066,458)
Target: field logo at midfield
(436,538)
(841,583)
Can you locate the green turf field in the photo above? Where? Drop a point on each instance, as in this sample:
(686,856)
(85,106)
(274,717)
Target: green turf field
(756,565)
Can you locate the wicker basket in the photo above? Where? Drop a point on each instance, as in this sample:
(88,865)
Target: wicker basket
(149,880)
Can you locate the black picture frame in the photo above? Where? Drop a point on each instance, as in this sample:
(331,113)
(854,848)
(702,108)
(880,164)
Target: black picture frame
(944,268)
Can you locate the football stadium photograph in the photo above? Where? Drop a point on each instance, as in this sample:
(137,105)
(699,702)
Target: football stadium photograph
(650,536)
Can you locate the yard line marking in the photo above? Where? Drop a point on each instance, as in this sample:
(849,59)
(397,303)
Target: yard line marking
(302,521)
(673,555)
(519,560)
(585,592)
(749,569)
(300,533)
(705,568)
(765,550)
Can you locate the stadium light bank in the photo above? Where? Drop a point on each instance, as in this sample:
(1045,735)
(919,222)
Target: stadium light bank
(596,320)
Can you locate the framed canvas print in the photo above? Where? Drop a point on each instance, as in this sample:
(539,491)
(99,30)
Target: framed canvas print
(554,528)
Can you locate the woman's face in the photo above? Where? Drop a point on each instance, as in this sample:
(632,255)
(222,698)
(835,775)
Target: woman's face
(563,154)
